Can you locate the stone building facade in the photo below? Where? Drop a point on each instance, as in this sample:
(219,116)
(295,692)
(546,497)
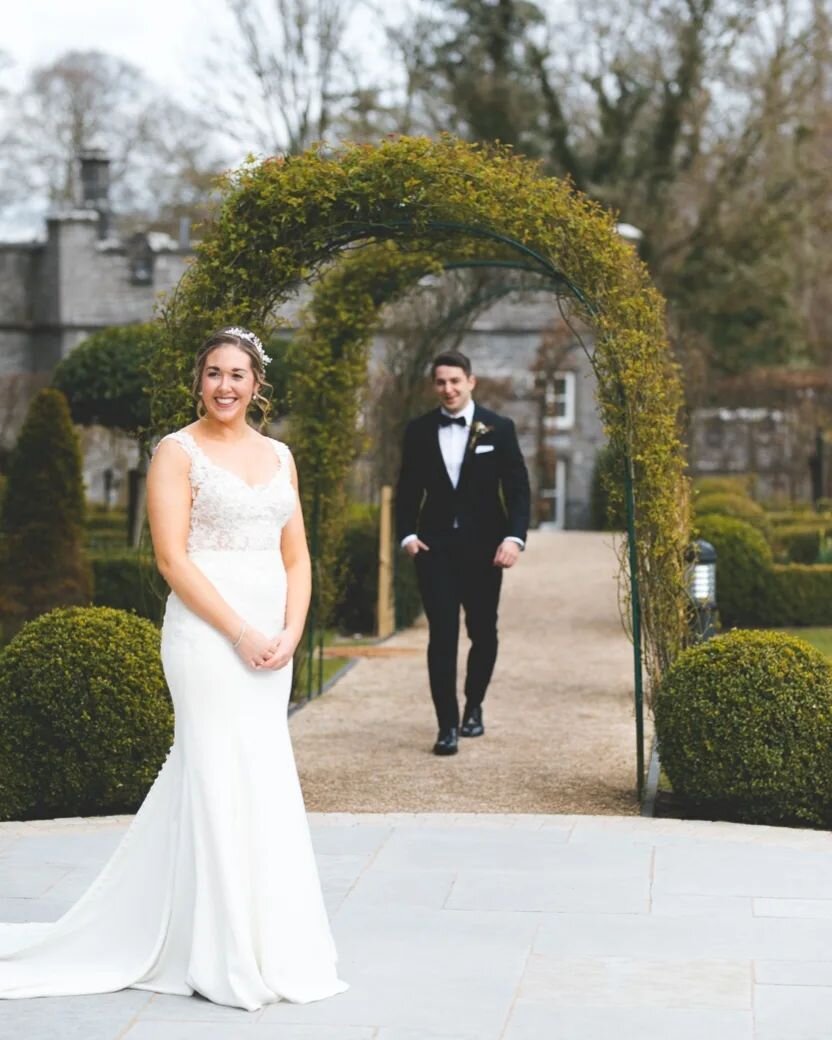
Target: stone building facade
(772,425)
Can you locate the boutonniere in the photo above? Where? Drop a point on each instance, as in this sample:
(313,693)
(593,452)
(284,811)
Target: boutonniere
(478,429)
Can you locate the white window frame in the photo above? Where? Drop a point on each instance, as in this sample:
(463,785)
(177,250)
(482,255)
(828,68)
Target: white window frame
(567,420)
(557,494)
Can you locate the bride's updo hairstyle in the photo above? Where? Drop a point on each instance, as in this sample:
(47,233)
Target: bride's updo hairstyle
(236,336)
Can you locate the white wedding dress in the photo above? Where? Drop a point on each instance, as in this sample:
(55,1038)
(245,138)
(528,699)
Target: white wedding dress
(214,887)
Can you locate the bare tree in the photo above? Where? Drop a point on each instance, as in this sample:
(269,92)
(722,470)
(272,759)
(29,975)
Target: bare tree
(286,77)
(703,122)
(86,98)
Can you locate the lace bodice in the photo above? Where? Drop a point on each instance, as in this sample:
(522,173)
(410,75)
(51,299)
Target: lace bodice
(229,514)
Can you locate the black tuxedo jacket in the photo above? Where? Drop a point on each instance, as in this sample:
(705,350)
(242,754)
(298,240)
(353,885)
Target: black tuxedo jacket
(491,499)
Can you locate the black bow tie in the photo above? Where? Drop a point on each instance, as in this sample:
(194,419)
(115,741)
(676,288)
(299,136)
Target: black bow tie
(451,420)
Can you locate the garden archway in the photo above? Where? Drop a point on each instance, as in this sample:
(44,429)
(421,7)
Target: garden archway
(372,221)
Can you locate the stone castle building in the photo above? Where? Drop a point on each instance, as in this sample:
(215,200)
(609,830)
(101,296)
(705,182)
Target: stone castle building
(57,291)
(82,278)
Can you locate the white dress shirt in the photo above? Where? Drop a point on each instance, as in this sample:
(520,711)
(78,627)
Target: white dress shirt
(453,440)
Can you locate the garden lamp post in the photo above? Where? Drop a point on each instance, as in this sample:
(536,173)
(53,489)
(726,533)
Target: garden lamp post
(702,587)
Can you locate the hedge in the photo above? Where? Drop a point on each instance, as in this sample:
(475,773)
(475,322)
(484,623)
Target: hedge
(737,485)
(743,567)
(744,724)
(106,528)
(800,542)
(799,594)
(128,580)
(356,607)
(738,506)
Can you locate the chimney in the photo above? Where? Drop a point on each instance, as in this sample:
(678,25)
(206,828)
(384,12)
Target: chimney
(95,186)
(184,233)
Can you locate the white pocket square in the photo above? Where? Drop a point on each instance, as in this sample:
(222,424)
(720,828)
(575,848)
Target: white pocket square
(481,449)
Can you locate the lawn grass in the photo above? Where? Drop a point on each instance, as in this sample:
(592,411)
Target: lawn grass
(820,638)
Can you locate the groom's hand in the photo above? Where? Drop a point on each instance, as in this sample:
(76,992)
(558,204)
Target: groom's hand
(416,545)
(507,554)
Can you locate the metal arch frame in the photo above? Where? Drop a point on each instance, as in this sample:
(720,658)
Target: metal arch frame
(542,267)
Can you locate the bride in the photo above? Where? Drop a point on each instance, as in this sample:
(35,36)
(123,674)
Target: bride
(214,888)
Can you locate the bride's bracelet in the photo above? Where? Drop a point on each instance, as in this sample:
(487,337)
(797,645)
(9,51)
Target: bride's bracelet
(239,638)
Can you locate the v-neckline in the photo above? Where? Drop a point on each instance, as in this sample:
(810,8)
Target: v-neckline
(224,469)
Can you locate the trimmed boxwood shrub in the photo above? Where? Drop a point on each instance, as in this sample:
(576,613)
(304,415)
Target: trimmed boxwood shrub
(85,715)
(128,580)
(738,506)
(744,723)
(738,485)
(800,595)
(743,569)
(799,542)
(355,609)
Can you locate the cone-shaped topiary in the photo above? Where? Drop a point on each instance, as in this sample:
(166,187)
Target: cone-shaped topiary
(85,715)
(744,723)
(43,561)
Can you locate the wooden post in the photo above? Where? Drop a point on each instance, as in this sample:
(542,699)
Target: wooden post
(386,611)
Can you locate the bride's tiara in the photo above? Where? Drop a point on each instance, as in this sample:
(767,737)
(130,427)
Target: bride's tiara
(249,337)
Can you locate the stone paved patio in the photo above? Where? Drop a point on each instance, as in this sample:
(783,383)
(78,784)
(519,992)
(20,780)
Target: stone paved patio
(466,927)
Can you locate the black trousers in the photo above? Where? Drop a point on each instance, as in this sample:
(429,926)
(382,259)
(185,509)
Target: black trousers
(459,573)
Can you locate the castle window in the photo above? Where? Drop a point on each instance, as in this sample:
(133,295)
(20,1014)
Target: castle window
(559,401)
(141,258)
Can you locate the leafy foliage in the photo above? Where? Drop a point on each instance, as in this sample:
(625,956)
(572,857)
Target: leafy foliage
(799,594)
(105,378)
(744,723)
(736,485)
(85,726)
(356,607)
(702,128)
(416,205)
(43,561)
(741,507)
(607,506)
(800,542)
(128,580)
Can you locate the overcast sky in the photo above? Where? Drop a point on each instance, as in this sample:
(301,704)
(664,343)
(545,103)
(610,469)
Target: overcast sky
(165,38)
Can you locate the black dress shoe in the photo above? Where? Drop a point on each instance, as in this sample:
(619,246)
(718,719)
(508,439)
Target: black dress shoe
(472,724)
(446,742)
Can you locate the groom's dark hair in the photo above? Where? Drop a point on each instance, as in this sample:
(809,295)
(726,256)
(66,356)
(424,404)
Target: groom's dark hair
(453,358)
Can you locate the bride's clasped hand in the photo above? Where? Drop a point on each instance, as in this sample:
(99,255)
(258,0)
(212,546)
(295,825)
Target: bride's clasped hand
(214,888)
(259,651)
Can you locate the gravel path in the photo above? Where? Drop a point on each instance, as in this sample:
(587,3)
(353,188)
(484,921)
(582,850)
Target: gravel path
(560,733)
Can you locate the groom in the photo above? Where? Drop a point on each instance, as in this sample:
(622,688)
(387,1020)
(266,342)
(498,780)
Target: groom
(462,513)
